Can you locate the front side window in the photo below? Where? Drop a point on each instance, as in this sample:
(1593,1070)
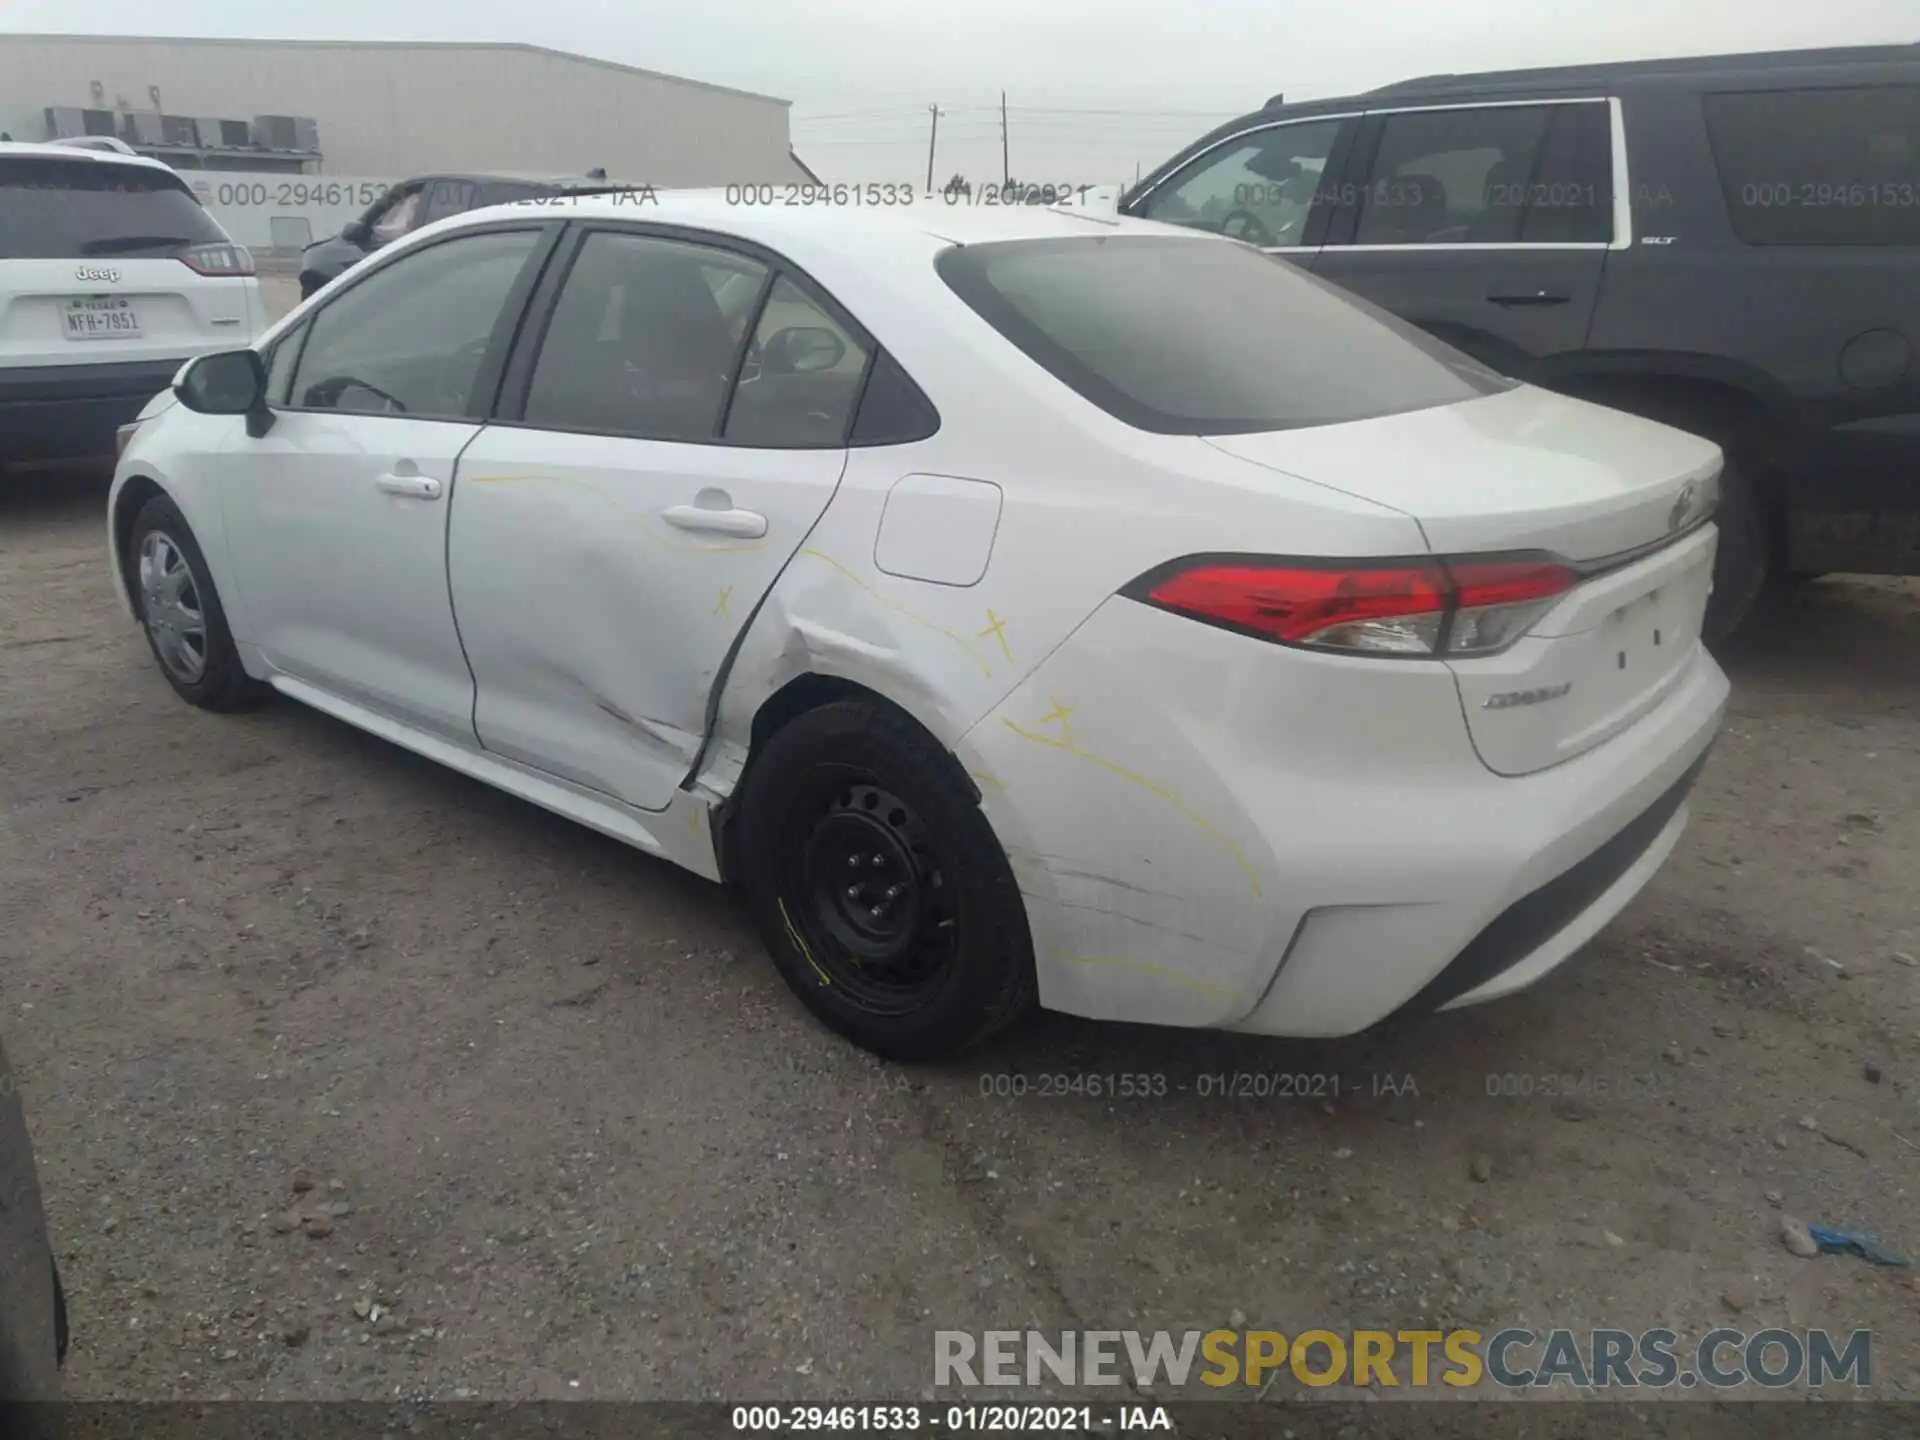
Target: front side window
(59,209)
(280,363)
(1190,336)
(1820,167)
(1259,188)
(645,338)
(801,379)
(409,339)
(1498,175)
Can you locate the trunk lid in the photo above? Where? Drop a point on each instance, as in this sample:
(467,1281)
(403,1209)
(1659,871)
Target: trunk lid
(1619,497)
(1521,470)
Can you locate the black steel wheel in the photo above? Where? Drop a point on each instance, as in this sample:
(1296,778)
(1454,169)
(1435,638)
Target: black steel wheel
(879,886)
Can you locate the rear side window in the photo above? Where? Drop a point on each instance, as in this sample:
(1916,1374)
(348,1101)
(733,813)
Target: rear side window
(1820,167)
(1191,336)
(801,377)
(1498,175)
(56,209)
(644,339)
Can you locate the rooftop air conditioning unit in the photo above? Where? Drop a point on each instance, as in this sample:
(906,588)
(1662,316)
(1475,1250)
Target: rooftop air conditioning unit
(273,132)
(224,134)
(145,127)
(65,122)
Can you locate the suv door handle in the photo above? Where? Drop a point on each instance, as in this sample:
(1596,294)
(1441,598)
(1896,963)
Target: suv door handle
(747,524)
(414,487)
(1529,297)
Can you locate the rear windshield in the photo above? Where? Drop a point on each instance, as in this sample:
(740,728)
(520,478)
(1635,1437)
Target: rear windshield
(52,209)
(1194,336)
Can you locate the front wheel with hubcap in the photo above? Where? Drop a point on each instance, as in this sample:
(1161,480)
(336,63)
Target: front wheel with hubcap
(181,613)
(878,885)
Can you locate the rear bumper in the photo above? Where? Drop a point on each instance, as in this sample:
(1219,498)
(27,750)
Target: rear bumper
(1208,832)
(67,411)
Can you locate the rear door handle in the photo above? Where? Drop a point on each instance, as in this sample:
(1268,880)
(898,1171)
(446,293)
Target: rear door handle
(1529,297)
(747,524)
(414,487)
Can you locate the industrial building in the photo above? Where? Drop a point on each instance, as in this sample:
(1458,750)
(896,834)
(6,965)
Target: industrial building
(377,109)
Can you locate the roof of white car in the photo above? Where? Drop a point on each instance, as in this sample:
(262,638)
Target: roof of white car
(23,149)
(848,226)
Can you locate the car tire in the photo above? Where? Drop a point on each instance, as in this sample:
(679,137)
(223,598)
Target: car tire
(180,612)
(878,885)
(1744,561)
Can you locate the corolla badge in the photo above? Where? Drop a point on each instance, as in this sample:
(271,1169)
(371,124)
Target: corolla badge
(1683,504)
(1508,699)
(97,272)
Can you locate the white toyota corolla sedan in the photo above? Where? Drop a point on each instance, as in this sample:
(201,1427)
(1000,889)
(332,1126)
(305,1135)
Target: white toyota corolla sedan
(1020,606)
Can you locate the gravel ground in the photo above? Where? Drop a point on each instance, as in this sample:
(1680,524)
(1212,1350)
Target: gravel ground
(568,1136)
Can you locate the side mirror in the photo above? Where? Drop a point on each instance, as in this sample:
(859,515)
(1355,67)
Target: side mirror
(228,382)
(357,232)
(803,350)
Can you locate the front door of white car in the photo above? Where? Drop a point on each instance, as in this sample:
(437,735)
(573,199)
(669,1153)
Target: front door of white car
(336,518)
(662,452)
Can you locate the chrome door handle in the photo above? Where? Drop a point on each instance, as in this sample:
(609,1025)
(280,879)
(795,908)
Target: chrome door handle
(748,524)
(414,487)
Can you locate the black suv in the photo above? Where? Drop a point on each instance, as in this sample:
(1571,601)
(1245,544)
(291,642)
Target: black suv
(1730,244)
(421,201)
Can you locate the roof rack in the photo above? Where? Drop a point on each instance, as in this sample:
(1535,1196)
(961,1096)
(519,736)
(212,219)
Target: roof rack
(1670,65)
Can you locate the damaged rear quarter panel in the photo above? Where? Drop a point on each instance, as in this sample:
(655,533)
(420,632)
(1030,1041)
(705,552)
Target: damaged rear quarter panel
(1088,506)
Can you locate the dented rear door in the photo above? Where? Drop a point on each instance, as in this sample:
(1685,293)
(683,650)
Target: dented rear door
(678,434)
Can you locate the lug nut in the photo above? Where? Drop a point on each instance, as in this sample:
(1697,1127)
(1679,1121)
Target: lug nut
(877,911)
(878,862)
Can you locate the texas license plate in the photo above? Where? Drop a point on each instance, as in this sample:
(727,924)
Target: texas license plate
(102,317)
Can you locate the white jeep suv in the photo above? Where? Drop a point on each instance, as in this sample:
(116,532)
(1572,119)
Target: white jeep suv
(111,275)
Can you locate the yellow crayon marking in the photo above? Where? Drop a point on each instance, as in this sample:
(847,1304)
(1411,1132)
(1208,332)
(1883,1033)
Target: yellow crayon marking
(997,628)
(1153,788)
(1147,967)
(787,920)
(1059,712)
(958,639)
(723,609)
(986,779)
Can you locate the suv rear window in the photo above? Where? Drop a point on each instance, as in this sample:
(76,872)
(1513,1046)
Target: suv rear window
(56,209)
(1194,336)
(1820,167)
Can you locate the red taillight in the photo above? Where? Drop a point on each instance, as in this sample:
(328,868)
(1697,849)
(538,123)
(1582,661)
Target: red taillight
(1405,608)
(217,259)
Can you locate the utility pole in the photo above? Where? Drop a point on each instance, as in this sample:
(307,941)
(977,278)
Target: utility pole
(1006,172)
(933,133)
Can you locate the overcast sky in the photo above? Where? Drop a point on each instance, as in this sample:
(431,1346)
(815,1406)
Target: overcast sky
(862,73)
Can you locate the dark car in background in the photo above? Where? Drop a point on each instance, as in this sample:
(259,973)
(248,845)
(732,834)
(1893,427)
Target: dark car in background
(1729,244)
(33,1310)
(421,201)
